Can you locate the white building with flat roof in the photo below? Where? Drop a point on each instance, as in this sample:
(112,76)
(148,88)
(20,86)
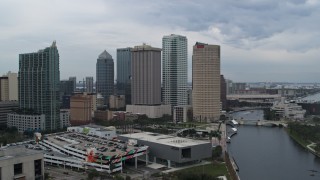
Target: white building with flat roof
(17,162)
(156,111)
(171,150)
(25,122)
(288,110)
(95,130)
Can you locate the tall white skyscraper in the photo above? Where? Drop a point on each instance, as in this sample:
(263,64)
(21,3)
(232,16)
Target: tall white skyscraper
(175,70)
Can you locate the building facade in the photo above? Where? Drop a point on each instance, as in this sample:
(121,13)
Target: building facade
(206,82)
(151,111)
(27,122)
(146,75)
(101,115)
(175,70)
(80,109)
(66,90)
(292,111)
(39,78)
(223,93)
(89,84)
(117,102)
(19,163)
(105,75)
(171,150)
(74,80)
(6,108)
(64,118)
(124,73)
(9,87)
(180,113)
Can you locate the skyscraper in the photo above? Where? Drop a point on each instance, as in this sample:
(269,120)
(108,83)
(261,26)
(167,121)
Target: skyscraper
(9,87)
(175,70)
(39,78)
(66,90)
(146,75)
(74,80)
(105,75)
(89,84)
(124,73)
(206,82)
(223,93)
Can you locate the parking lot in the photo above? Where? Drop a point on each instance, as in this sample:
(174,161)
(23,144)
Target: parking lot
(60,173)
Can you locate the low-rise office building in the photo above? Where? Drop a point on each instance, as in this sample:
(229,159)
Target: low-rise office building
(80,109)
(9,87)
(7,107)
(156,111)
(64,118)
(25,122)
(101,115)
(288,110)
(19,163)
(117,101)
(180,113)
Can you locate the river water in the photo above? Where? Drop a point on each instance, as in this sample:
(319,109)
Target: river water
(268,153)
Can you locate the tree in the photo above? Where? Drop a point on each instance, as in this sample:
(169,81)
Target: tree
(119,177)
(216,152)
(223,117)
(92,174)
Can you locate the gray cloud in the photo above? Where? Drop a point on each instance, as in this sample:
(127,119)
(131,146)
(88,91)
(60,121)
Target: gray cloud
(252,34)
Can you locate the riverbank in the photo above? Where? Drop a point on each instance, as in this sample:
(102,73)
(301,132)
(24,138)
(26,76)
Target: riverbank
(210,170)
(306,144)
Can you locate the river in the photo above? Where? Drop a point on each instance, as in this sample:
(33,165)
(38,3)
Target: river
(268,153)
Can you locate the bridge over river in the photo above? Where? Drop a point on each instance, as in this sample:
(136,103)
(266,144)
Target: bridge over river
(262,122)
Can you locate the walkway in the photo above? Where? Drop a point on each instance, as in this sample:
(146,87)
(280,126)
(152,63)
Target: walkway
(185,167)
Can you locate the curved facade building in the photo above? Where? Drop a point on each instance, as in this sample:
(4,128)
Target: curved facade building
(39,90)
(175,70)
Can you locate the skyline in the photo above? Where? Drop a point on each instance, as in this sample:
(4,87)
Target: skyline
(260,41)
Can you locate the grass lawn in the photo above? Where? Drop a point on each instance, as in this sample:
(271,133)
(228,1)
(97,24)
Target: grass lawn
(210,169)
(297,138)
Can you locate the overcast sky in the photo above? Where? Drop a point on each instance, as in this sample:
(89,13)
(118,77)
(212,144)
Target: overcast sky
(265,40)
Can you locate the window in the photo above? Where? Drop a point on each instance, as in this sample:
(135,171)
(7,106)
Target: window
(18,169)
(37,168)
(186,153)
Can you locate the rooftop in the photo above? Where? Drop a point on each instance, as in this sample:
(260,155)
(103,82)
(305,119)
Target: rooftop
(16,151)
(82,142)
(165,139)
(105,55)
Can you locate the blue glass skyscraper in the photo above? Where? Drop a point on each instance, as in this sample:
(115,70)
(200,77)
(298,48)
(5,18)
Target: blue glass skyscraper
(105,75)
(124,73)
